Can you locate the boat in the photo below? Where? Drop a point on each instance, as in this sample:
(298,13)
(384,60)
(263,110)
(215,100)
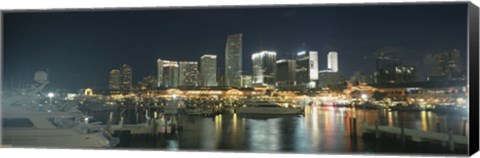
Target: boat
(267,108)
(25,126)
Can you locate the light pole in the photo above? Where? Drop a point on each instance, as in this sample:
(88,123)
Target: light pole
(50,95)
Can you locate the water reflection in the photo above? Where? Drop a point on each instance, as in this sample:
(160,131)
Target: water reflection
(319,130)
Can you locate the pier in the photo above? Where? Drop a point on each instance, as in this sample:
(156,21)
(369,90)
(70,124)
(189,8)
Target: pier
(416,135)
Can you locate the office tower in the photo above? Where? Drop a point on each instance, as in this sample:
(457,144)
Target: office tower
(188,73)
(333,61)
(307,69)
(208,70)
(286,72)
(246,81)
(114,83)
(167,73)
(126,78)
(264,68)
(233,60)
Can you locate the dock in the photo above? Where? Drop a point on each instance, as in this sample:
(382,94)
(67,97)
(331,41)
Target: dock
(416,135)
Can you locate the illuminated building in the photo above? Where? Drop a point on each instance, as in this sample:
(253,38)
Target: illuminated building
(395,74)
(332,58)
(167,73)
(286,72)
(188,73)
(443,66)
(264,68)
(306,70)
(114,82)
(208,70)
(126,78)
(148,82)
(246,81)
(233,60)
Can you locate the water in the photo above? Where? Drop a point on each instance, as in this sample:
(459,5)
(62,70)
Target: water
(320,130)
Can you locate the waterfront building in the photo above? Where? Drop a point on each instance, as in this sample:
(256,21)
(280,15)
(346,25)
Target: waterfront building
(286,72)
(332,58)
(306,70)
(114,82)
(208,70)
(264,68)
(126,78)
(233,60)
(188,73)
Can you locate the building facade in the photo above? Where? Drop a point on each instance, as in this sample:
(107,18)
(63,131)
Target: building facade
(246,81)
(306,70)
(233,60)
(126,78)
(188,73)
(286,72)
(114,82)
(332,58)
(208,70)
(168,73)
(264,68)
(395,74)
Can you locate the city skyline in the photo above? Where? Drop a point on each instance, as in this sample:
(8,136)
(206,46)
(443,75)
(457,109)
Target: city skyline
(75,40)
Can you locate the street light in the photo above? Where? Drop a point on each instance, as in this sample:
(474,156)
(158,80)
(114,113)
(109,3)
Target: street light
(50,95)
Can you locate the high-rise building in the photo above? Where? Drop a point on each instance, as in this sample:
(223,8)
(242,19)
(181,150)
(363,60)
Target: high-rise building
(233,60)
(126,77)
(264,68)
(332,58)
(114,83)
(395,74)
(307,69)
(246,81)
(167,73)
(443,66)
(188,73)
(208,70)
(148,82)
(286,72)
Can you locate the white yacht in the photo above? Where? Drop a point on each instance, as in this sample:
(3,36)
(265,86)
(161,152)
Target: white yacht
(263,107)
(23,126)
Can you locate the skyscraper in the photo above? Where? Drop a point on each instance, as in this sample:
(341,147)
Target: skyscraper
(114,82)
(208,70)
(126,77)
(307,69)
(286,72)
(233,60)
(333,61)
(264,68)
(169,73)
(188,73)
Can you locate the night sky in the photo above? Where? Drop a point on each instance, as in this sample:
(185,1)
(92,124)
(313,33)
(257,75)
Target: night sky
(79,48)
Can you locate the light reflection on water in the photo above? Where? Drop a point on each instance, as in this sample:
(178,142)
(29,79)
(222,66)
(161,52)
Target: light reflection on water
(319,130)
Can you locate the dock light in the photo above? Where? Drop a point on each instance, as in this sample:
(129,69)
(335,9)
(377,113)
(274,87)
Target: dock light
(174,96)
(50,95)
(364,97)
